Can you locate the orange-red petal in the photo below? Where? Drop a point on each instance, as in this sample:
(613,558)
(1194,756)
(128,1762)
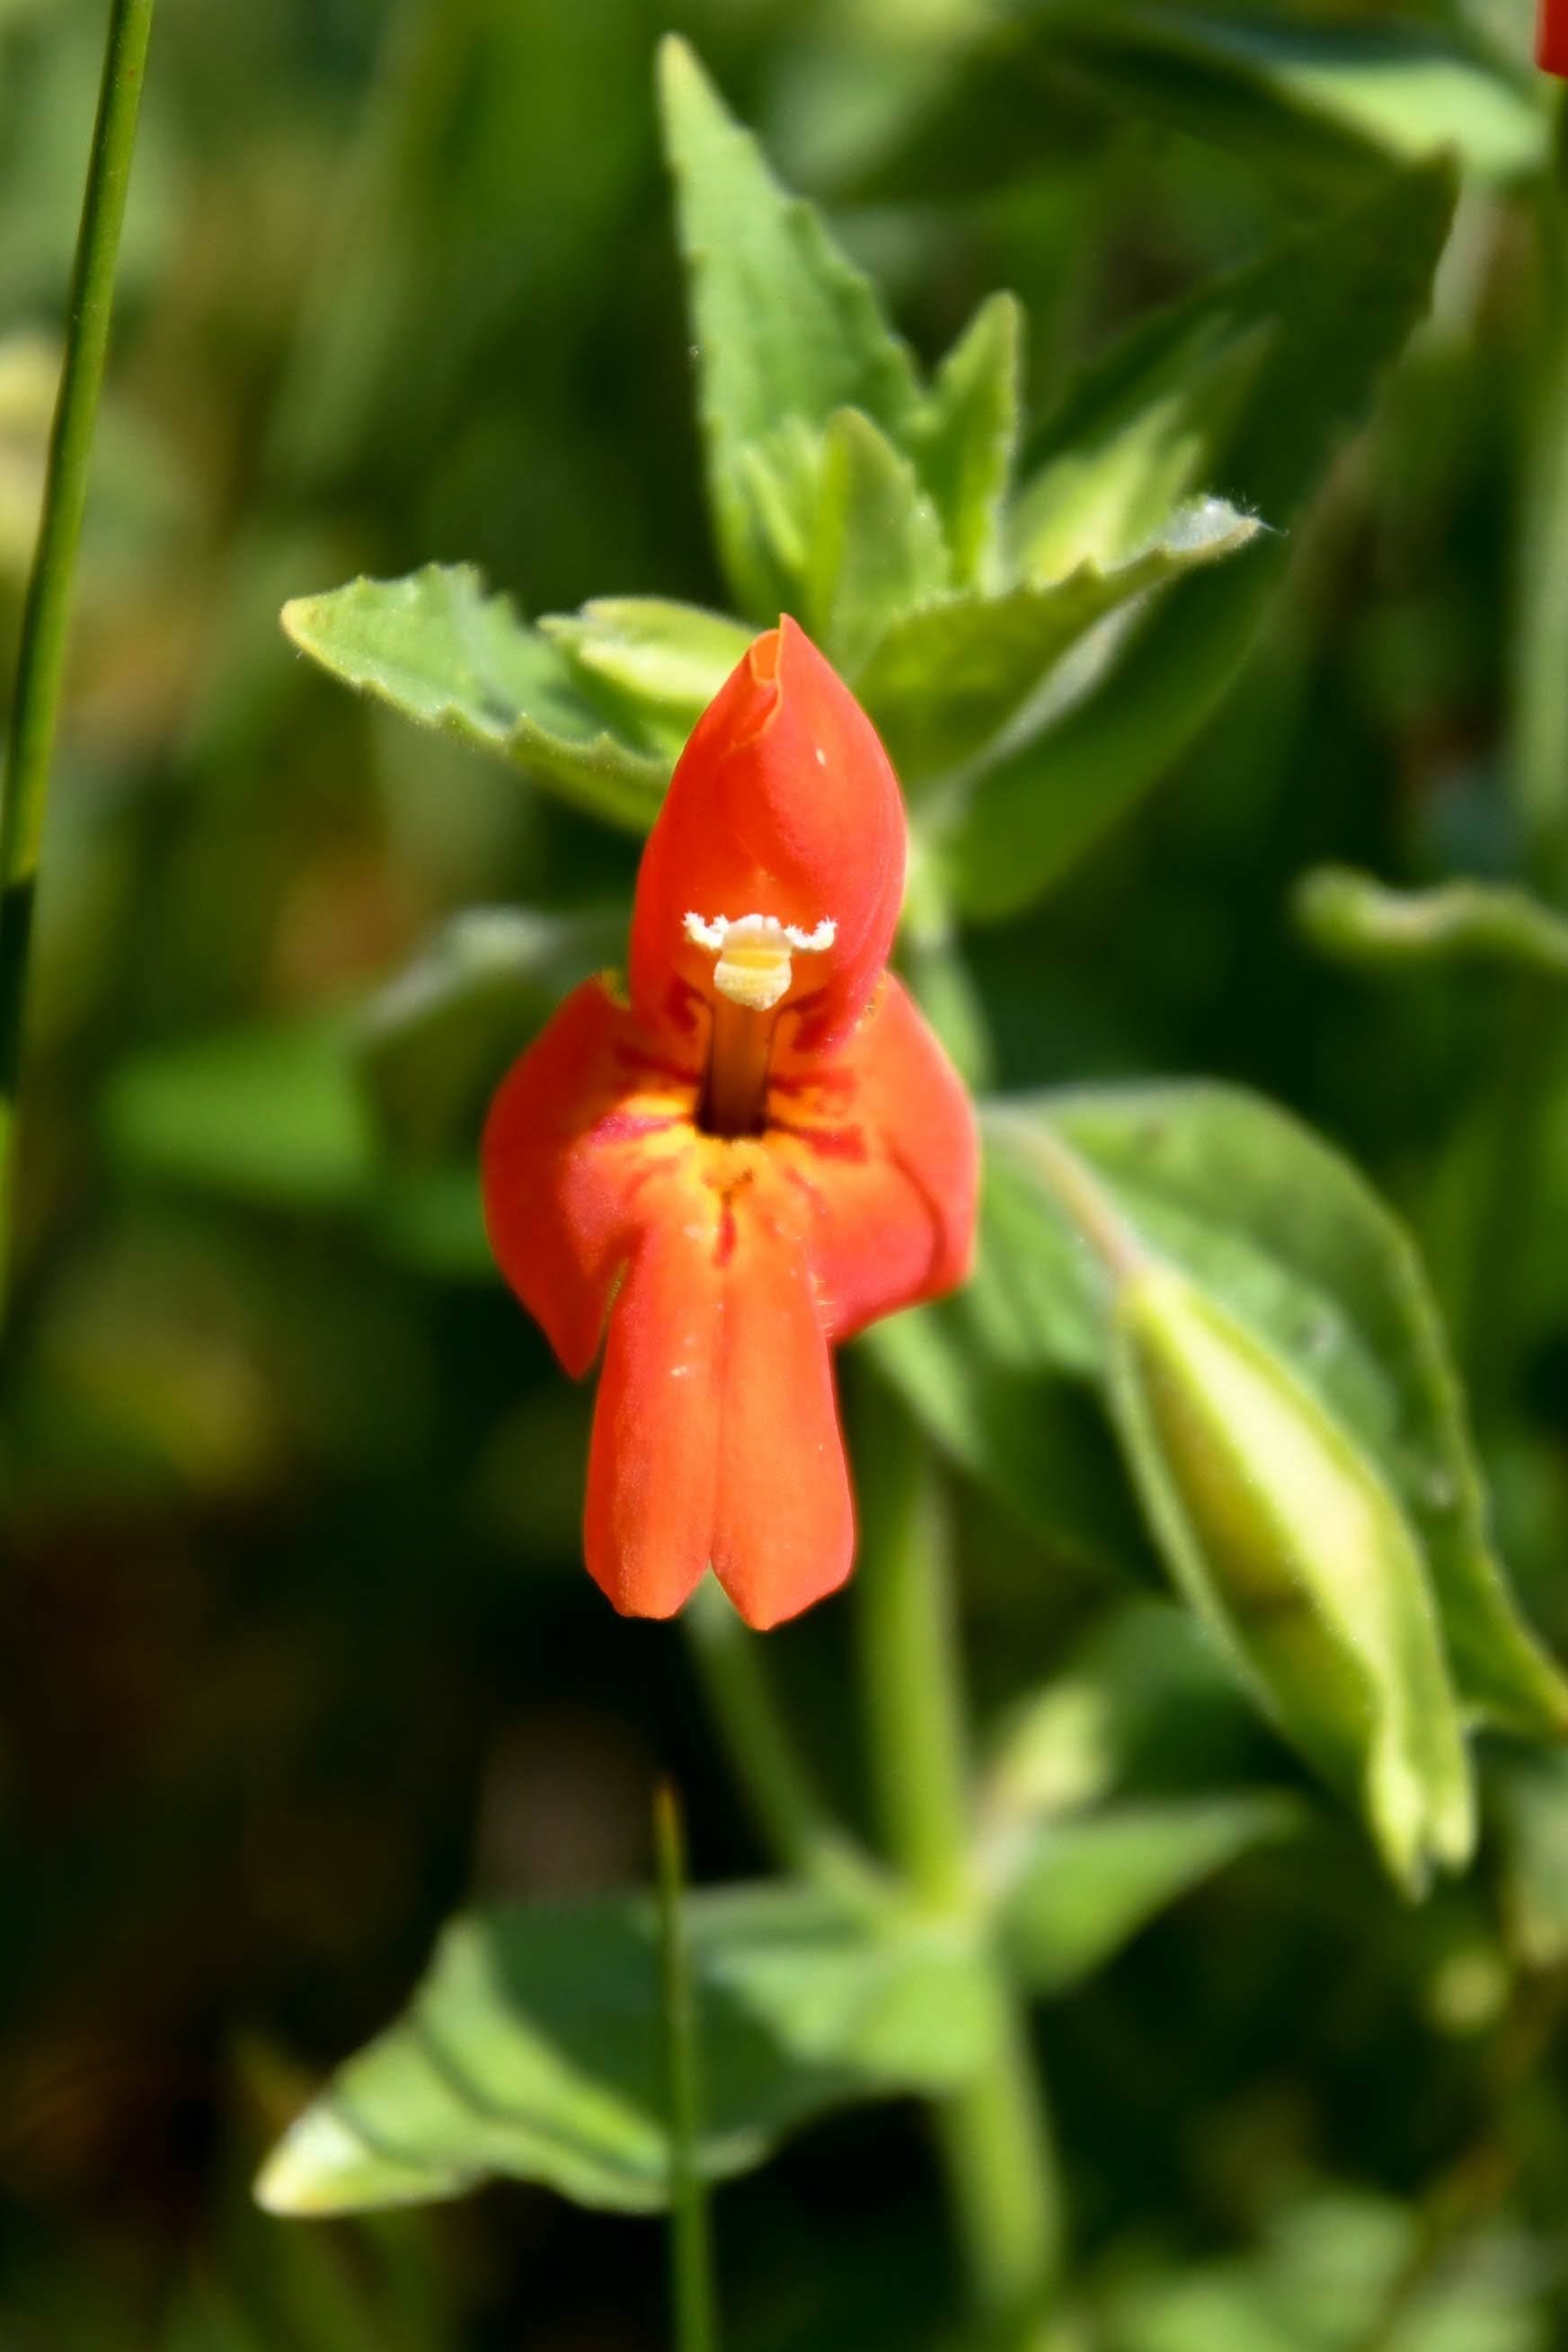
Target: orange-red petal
(881,1136)
(1552,38)
(784,1529)
(577,1127)
(782,804)
(652,1465)
(715,1435)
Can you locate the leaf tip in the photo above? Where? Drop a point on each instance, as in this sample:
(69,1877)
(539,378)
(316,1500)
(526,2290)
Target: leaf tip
(681,80)
(295,620)
(302,2174)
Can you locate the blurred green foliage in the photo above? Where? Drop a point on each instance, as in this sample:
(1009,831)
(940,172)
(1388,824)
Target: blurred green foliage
(297,1653)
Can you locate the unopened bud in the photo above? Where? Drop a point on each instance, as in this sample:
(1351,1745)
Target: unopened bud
(1286,1538)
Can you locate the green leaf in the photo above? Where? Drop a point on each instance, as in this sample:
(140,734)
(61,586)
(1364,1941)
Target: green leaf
(1268,367)
(876,544)
(787,330)
(1033,1299)
(1029,1439)
(1527,1798)
(269,1113)
(533,2048)
(1337,2270)
(775,484)
(1329,310)
(667,660)
(432,1219)
(945,679)
(1356,920)
(1146,1703)
(1134,438)
(1310,104)
(964,437)
(1039,810)
(437,1040)
(1081,1889)
(436,647)
(1286,1236)
(277,1115)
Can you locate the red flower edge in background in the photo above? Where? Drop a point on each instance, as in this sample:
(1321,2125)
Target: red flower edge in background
(751,1153)
(1552,38)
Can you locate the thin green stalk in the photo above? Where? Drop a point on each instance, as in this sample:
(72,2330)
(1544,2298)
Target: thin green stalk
(46,614)
(785,1801)
(994,2134)
(913,1707)
(1530,1030)
(1494,1311)
(1540,633)
(691,2242)
(1076,1190)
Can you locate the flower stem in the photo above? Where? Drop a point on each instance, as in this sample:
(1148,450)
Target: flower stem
(46,612)
(781,1788)
(691,2240)
(994,2134)
(1529,1033)
(1540,683)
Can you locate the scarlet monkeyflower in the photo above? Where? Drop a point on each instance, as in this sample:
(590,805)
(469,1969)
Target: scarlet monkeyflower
(1552,38)
(752,1151)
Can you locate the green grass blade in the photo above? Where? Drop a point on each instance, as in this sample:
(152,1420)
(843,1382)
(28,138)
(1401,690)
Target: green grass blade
(45,616)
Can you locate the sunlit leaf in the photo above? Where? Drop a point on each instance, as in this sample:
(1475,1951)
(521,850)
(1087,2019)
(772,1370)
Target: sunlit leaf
(947,678)
(876,546)
(786,328)
(1134,438)
(963,438)
(438,648)
(775,497)
(1330,309)
(534,2049)
(668,660)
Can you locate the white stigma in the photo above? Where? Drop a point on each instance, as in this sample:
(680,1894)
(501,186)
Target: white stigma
(755,954)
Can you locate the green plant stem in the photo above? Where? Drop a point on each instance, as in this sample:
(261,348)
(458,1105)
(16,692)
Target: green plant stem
(781,1788)
(994,2134)
(692,2294)
(1076,1190)
(46,612)
(1531,1028)
(1494,1317)
(1539,634)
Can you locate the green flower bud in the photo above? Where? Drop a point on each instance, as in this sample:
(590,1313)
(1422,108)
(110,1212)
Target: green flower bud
(1287,1540)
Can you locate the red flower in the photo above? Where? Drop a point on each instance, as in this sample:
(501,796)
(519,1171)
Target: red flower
(1552,38)
(757,1152)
